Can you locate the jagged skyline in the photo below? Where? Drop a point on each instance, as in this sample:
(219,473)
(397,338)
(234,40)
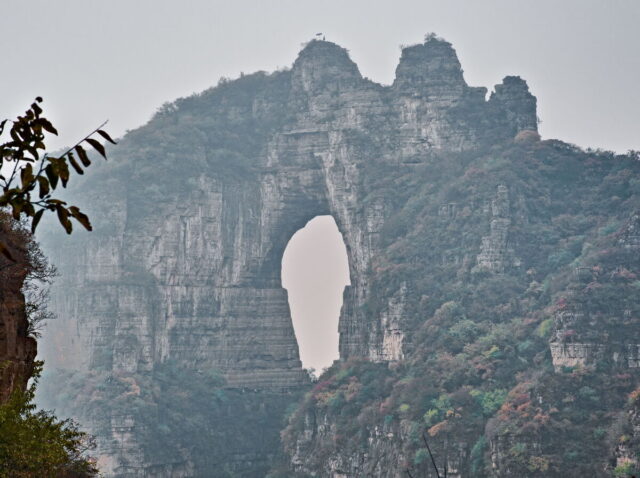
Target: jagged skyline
(576,55)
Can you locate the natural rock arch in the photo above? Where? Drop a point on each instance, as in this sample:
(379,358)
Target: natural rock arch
(185,262)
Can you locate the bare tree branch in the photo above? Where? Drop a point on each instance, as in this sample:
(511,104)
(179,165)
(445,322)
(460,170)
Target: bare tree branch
(433,461)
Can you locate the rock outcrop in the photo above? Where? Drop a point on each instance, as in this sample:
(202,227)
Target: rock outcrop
(17,347)
(495,254)
(187,267)
(626,439)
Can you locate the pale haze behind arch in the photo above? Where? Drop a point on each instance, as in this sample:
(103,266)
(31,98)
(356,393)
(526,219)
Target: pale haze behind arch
(315,271)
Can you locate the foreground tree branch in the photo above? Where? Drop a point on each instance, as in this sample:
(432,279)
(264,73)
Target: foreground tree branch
(40,173)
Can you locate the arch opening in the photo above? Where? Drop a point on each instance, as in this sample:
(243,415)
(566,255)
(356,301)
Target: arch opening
(315,271)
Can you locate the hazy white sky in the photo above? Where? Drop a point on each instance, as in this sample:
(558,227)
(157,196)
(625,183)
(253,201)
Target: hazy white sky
(121,59)
(314,271)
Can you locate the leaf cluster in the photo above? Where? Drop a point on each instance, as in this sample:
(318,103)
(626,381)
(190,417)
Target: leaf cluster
(29,176)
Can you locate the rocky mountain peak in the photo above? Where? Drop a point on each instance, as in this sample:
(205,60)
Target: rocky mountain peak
(431,68)
(514,97)
(324,65)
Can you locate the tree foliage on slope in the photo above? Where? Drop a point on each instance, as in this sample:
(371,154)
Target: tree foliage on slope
(182,415)
(478,377)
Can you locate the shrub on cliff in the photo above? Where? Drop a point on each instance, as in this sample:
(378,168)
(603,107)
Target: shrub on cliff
(35,444)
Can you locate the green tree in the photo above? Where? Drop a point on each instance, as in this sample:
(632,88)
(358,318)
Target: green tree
(35,444)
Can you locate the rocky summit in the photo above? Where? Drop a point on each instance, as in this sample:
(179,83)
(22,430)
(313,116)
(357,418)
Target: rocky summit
(493,312)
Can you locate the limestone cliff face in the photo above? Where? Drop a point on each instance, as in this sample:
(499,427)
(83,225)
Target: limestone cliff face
(496,254)
(594,331)
(383,456)
(460,243)
(514,97)
(498,295)
(191,226)
(626,440)
(197,277)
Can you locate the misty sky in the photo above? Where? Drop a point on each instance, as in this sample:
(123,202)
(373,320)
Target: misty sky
(121,59)
(314,271)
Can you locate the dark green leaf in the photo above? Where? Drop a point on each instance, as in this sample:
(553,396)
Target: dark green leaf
(97,146)
(26,176)
(75,164)
(61,169)
(80,217)
(28,209)
(47,126)
(44,186)
(36,220)
(82,154)
(106,136)
(63,217)
(52,175)
(16,207)
(34,152)
(36,109)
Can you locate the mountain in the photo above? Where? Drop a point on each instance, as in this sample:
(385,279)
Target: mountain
(492,312)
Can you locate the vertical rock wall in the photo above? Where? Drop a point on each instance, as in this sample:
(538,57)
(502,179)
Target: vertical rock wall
(17,347)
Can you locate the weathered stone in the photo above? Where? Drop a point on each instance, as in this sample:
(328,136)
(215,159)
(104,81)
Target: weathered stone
(630,235)
(495,254)
(513,96)
(575,354)
(186,267)
(625,453)
(17,348)
(579,340)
